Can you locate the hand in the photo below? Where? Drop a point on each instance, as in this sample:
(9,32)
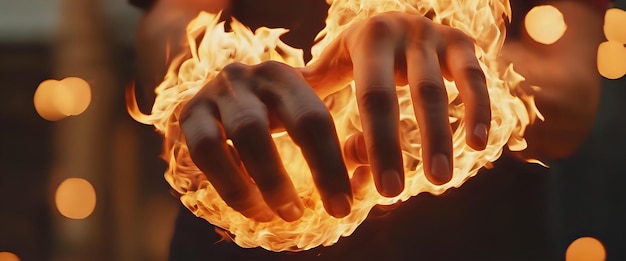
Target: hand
(243,104)
(395,49)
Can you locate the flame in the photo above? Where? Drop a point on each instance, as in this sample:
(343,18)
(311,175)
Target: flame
(211,48)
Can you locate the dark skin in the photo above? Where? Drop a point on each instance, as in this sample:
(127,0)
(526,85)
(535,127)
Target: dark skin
(249,101)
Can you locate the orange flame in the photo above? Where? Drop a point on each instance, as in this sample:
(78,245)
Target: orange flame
(483,20)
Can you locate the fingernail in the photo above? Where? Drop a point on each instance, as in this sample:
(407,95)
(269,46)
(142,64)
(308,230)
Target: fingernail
(289,212)
(440,169)
(391,183)
(339,205)
(480,131)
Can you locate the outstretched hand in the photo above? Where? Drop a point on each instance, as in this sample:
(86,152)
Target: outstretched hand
(244,104)
(394,49)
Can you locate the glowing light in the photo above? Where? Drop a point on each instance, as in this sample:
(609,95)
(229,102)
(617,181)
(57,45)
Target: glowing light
(612,60)
(75,198)
(47,98)
(612,53)
(80,94)
(211,48)
(614,25)
(55,100)
(585,249)
(8,256)
(545,24)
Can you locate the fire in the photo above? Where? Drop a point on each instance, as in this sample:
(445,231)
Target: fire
(483,20)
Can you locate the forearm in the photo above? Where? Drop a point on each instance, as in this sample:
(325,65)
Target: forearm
(570,84)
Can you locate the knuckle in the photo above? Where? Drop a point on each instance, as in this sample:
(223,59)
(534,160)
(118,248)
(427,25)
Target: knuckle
(236,195)
(245,123)
(187,109)
(478,89)
(201,147)
(475,74)
(431,90)
(421,22)
(318,121)
(378,97)
(422,29)
(379,27)
(270,69)
(457,36)
(205,140)
(272,65)
(312,118)
(235,70)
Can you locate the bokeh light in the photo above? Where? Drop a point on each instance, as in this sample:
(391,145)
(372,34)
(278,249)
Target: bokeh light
(612,53)
(55,100)
(80,94)
(46,101)
(545,24)
(75,198)
(8,256)
(612,60)
(585,249)
(615,25)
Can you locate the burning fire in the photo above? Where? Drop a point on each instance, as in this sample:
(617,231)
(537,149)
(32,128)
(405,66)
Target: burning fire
(482,20)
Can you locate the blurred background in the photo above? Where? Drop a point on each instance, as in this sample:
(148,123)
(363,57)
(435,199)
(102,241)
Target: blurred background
(134,212)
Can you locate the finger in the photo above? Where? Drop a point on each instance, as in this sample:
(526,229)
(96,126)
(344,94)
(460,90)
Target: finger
(209,151)
(311,127)
(355,149)
(430,102)
(361,180)
(470,80)
(245,122)
(373,60)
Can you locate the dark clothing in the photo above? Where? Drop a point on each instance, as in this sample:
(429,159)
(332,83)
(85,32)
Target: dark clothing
(498,215)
